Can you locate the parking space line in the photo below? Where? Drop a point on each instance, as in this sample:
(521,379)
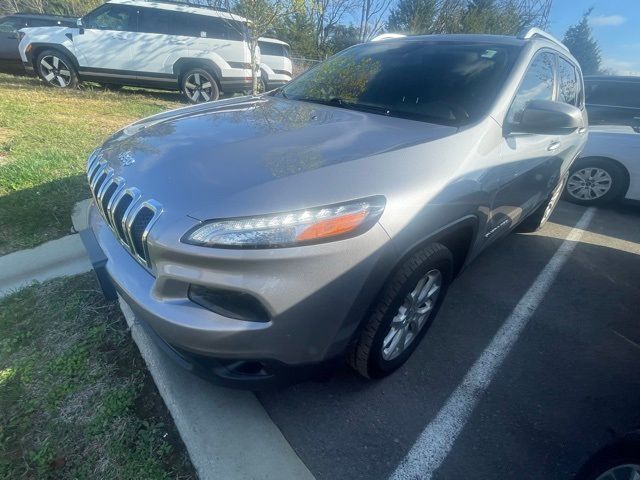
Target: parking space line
(436,440)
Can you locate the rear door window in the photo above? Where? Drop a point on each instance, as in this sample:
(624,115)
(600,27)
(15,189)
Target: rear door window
(537,84)
(568,82)
(155,21)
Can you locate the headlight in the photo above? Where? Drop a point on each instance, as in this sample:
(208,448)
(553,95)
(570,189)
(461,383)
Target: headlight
(300,227)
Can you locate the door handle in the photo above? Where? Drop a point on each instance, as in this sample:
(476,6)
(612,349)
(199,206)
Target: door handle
(118,37)
(582,130)
(553,146)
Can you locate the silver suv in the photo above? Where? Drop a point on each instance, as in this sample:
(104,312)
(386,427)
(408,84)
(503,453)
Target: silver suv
(259,238)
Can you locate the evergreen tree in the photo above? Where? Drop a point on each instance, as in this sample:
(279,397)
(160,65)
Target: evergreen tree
(583,46)
(413,16)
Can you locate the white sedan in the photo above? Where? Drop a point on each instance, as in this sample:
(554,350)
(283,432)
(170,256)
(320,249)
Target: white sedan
(608,168)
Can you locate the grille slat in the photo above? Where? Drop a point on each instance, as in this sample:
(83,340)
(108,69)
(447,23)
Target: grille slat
(107,195)
(138,226)
(125,211)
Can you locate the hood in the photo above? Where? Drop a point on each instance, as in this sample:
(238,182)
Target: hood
(48,30)
(215,160)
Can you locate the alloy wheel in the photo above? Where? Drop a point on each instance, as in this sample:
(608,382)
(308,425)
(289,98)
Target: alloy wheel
(622,472)
(412,315)
(198,88)
(55,71)
(589,183)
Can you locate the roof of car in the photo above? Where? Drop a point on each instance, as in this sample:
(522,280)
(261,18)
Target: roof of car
(272,40)
(42,16)
(532,36)
(180,7)
(613,78)
(462,38)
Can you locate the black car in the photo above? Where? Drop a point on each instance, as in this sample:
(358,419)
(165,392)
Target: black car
(9,25)
(613,100)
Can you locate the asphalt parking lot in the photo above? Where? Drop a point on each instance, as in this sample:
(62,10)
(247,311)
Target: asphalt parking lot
(570,383)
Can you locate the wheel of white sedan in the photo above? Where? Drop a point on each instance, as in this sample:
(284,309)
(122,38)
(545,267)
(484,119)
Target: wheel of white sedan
(199,86)
(56,70)
(596,181)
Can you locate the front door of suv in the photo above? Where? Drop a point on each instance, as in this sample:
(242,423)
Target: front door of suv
(528,161)
(103,44)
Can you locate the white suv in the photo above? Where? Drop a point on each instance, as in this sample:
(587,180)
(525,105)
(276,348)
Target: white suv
(275,63)
(200,51)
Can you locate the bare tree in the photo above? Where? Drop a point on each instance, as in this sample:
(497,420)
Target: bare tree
(37,6)
(262,16)
(326,15)
(10,6)
(372,17)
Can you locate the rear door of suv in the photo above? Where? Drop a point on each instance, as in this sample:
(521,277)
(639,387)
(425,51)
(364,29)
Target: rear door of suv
(163,37)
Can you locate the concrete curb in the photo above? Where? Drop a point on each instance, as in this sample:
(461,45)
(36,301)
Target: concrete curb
(57,258)
(227,432)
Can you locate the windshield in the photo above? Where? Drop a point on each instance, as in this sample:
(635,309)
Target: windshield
(445,83)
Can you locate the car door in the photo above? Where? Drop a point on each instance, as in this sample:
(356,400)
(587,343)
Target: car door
(9,38)
(103,44)
(527,160)
(162,38)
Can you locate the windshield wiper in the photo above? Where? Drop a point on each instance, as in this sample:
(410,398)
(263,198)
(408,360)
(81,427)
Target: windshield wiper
(360,106)
(342,103)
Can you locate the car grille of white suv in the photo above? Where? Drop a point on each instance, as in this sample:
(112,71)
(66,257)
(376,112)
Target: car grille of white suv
(123,208)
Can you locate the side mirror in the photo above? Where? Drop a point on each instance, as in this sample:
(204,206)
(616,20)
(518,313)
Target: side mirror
(79,23)
(547,117)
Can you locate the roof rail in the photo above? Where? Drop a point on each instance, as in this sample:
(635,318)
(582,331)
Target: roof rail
(538,32)
(191,3)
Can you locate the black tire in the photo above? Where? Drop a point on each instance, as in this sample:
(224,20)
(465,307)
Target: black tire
(616,188)
(366,354)
(199,85)
(56,69)
(625,451)
(536,220)
(263,86)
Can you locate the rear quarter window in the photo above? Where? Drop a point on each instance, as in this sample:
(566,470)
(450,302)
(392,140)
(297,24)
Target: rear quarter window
(568,87)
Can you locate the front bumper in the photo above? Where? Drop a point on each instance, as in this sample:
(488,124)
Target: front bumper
(316,296)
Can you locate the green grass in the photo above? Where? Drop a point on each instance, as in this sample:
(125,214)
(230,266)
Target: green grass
(75,396)
(46,135)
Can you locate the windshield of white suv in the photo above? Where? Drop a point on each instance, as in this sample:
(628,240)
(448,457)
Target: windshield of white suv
(444,83)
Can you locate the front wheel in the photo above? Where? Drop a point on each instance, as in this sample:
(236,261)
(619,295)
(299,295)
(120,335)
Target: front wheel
(403,313)
(56,70)
(199,86)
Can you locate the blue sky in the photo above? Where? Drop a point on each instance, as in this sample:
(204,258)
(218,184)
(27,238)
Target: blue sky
(615,25)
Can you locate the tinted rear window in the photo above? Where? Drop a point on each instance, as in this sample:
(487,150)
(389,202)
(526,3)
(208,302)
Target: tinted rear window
(613,93)
(275,49)
(192,25)
(447,83)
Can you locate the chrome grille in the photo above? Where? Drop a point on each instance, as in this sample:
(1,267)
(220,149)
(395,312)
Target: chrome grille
(123,208)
